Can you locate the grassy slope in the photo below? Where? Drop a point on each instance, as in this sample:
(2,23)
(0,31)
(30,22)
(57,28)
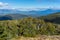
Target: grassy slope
(55,18)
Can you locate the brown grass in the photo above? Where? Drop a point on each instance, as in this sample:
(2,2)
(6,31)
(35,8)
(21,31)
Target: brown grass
(38,38)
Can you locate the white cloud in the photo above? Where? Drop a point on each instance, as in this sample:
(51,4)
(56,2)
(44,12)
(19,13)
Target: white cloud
(3,4)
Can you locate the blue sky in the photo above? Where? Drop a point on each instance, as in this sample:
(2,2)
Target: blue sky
(30,4)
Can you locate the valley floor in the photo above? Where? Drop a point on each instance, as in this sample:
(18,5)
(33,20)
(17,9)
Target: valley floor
(39,38)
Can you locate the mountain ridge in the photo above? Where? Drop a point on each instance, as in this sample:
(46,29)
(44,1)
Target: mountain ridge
(31,12)
(17,14)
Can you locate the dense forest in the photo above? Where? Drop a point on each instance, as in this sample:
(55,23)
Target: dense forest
(27,27)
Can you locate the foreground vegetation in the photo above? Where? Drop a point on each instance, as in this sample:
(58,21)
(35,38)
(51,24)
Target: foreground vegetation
(28,27)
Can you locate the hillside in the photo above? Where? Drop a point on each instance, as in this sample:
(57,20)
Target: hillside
(12,16)
(55,18)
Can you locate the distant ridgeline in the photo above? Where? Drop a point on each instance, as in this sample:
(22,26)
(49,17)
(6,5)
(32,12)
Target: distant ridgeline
(12,17)
(18,14)
(27,27)
(54,17)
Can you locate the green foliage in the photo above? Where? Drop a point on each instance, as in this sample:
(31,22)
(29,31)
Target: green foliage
(28,27)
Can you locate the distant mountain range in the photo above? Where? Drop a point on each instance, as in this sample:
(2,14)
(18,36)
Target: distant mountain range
(9,14)
(38,12)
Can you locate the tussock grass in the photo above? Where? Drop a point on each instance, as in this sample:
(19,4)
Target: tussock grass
(44,37)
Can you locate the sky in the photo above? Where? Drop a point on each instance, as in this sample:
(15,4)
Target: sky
(29,4)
